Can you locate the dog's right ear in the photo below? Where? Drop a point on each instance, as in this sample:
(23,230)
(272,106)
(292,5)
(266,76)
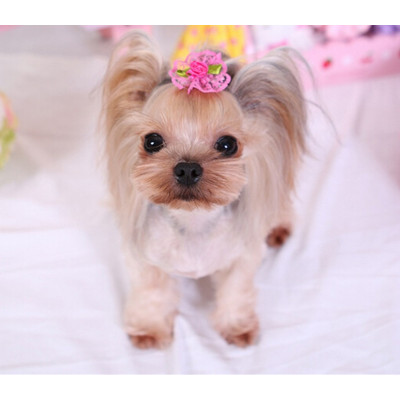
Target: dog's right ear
(135,68)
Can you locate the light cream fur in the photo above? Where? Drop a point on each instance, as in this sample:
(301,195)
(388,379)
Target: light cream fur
(219,227)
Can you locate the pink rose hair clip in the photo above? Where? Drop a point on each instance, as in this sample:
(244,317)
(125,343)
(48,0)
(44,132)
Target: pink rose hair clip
(204,71)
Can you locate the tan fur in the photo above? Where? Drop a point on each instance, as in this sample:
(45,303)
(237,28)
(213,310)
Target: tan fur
(219,226)
(190,125)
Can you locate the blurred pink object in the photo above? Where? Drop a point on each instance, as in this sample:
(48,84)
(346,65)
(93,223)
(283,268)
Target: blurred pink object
(115,32)
(353,52)
(364,57)
(6,27)
(342,32)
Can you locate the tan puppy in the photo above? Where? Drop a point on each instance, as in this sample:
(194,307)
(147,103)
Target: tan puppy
(200,178)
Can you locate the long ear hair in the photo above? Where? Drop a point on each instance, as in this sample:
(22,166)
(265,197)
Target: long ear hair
(134,70)
(270,94)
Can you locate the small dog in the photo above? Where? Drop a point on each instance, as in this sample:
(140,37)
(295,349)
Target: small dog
(201,163)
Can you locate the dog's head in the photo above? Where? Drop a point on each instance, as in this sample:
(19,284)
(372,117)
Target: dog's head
(188,150)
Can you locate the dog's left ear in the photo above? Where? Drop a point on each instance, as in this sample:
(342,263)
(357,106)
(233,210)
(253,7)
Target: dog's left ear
(269,91)
(135,68)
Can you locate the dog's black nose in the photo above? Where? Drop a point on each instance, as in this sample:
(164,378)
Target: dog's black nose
(187,173)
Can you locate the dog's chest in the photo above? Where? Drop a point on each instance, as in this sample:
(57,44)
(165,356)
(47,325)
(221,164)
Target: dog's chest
(192,244)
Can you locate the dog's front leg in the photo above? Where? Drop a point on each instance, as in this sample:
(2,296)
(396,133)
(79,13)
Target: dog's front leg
(235,317)
(151,307)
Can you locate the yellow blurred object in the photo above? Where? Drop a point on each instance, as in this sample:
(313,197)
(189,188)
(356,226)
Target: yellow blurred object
(228,38)
(8,126)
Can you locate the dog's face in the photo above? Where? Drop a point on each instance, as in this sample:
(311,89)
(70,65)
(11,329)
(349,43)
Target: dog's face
(189,149)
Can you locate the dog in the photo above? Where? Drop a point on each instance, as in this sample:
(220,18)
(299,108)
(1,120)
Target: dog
(201,160)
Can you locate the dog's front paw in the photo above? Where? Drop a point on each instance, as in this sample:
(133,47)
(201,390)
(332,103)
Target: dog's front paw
(145,332)
(242,332)
(243,339)
(150,337)
(158,340)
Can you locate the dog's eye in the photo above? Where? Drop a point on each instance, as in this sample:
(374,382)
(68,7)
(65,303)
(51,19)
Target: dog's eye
(227,145)
(153,142)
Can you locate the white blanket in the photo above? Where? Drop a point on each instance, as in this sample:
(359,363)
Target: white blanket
(329,300)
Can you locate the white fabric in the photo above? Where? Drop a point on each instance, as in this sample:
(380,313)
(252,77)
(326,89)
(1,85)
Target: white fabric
(329,300)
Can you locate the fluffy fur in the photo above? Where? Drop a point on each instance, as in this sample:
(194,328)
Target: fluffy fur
(220,225)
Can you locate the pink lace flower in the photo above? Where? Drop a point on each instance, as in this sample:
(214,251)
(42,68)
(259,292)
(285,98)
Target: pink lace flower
(198,69)
(204,71)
